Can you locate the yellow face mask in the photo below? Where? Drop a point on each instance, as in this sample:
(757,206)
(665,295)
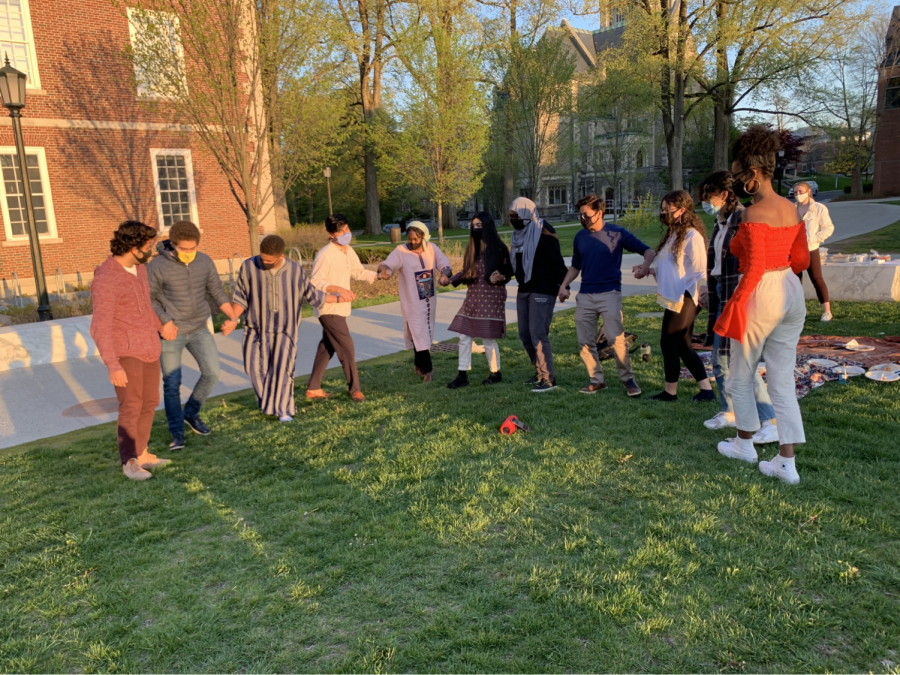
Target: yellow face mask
(187,257)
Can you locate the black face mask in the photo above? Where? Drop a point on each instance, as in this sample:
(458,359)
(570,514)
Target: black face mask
(476,235)
(517,223)
(269,266)
(667,219)
(740,191)
(143,257)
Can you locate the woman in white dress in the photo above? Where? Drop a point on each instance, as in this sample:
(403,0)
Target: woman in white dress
(419,265)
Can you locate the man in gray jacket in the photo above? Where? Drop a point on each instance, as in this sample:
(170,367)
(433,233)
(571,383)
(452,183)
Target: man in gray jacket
(181,281)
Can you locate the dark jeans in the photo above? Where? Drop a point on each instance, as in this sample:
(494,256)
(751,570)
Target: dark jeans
(815,276)
(202,346)
(335,339)
(137,404)
(422,361)
(535,313)
(675,342)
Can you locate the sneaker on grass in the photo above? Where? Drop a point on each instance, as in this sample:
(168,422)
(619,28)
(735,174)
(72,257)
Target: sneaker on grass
(768,433)
(177,442)
(739,448)
(197,425)
(722,420)
(781,467)
(592,388)
(133,471)
(541,387)
(285,419)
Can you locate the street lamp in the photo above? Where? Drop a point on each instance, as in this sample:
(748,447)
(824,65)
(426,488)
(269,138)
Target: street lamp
(327,173)
(779,169)
(12,93)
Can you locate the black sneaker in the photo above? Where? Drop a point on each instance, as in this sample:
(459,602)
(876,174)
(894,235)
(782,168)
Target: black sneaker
(541,387)
(494,378)
(664,396)
(197,425)
(705,395)
(177,442)
(632,389)
(462,380)
(533,381)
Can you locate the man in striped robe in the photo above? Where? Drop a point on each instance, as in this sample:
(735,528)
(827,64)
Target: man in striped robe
(271,289)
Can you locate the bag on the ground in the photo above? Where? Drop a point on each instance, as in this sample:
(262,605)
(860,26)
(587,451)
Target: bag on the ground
(606,350)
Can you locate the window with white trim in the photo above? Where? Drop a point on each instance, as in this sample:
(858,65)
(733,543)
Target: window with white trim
(15,214)
(176,198)
(17,39)
(556,194)
(157,53)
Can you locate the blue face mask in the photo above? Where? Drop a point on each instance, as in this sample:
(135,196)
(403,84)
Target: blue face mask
(345,239)
(710,209)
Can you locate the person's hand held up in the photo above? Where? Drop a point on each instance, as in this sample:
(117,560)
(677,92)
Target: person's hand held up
(118,378)
(496,277)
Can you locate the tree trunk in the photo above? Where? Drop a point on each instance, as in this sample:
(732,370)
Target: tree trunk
(253,227)
(440,219)
(309,205)
(721,133)
(373,209)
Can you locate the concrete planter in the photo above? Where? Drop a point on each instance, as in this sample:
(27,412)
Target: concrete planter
(861,282)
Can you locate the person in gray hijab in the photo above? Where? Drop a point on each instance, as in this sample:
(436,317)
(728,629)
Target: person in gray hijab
(539,268)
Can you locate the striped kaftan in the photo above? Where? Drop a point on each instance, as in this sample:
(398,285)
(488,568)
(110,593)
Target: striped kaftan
(270,336)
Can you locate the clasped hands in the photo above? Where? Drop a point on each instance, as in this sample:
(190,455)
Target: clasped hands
(643,270)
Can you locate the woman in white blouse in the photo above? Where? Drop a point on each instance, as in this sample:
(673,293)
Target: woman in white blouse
(818,228)
(681,280)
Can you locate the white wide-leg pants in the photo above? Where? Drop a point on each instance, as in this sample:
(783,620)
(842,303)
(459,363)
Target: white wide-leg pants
(775,314)
(491,351)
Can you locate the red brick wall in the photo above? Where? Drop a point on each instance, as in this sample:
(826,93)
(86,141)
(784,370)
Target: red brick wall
(887,142)
(99,178)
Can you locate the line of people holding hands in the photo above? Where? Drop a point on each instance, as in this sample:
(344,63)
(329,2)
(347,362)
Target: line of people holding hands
(746,274)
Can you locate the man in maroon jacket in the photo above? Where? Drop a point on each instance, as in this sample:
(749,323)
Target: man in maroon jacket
(126,331)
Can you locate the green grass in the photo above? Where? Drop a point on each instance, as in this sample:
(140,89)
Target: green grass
(406,534)
(885,240)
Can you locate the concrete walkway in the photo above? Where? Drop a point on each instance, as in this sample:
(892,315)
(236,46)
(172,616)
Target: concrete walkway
(852,219)
(52,399)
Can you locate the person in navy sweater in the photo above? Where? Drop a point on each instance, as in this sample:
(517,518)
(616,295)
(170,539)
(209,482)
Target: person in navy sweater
(597,256)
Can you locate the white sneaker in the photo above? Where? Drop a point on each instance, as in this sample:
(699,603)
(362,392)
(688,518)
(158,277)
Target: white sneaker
(781,467)
(720,421)
(286,418)
(826,317)
(768,433)
(738,448)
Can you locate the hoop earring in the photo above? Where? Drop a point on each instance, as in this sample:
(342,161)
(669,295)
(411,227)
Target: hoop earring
(758,186)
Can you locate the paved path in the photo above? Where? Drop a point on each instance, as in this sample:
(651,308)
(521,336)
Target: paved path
(854,218)
(52,399)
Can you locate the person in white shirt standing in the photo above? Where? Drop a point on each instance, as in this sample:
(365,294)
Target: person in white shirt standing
(335,264)
(681,281)
(818,228)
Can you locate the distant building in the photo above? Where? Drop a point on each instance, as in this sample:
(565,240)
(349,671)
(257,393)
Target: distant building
(97,155)
(887,136)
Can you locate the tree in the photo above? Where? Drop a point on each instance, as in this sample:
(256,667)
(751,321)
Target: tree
(222,66)
(622,108)
(848,94)
(761,46)
(444,122)
(539,82)
(365,36)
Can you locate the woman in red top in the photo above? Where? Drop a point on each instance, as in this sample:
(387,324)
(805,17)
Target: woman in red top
(764,317)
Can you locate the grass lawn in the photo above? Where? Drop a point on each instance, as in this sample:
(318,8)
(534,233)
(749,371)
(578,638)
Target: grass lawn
(885,240)
(406,534)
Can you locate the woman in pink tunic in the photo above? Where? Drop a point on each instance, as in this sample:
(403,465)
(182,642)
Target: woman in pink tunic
(419,264)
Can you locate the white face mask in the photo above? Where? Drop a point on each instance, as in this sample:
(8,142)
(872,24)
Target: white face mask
(345,239)
(802,199)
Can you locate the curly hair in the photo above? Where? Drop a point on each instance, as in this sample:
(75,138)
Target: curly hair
(757,148)
(717,183)
(272,244)
(131,234)
(592,201)
(681,199)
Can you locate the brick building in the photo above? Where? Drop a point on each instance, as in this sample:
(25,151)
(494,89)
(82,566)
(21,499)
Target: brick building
(96,154)
(887,136)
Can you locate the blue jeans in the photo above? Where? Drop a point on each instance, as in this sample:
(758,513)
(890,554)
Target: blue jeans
(202,346)
(720,372)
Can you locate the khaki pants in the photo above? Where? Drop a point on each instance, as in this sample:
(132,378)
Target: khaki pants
(589,308)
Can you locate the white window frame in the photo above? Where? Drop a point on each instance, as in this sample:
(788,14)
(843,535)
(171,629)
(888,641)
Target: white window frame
(48,197)
(142,90)
(192,192)
(34,78)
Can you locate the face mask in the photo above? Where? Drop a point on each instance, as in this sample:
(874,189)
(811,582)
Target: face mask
(270,266)
(667,219)
(802,199)
(187,257)
(740,188)
(711,210)
(517,223)
(143,257)
(345,239)
(476,234)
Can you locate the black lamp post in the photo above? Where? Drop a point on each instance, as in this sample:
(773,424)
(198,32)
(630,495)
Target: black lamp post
(12,93)
(779,169)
